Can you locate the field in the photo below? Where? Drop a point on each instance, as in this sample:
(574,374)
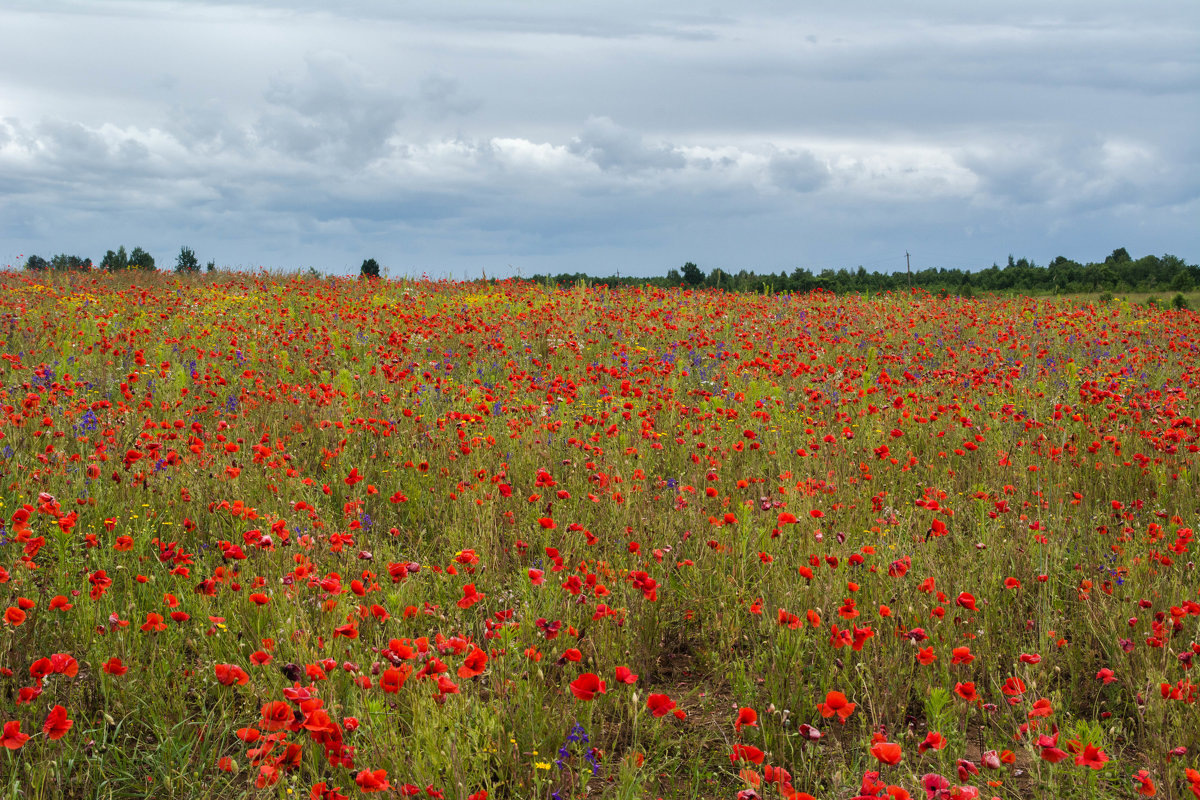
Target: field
(269,536)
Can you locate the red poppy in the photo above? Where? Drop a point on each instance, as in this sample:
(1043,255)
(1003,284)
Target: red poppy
(393,678)
(470,596)
(230,674)
(624,675)
(1146,786)
(114,667)
(748,752)
(966,691)
(474,664)
(277,715)
(1091,756)
(369,781)
(836,703)
(12,738)
(746,716)
(57,724)
(933,741)
(587,686)
(659,704)
(887,752)
(154,622)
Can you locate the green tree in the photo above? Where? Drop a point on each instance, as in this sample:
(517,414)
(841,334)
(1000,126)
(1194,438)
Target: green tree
(115,262)
(1119,256)
(369,269)
(211,266)
(186,261)
(37,264)
(140,259)
(692,275)
(68,263)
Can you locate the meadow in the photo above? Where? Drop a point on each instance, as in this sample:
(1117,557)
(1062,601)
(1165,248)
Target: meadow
(284,537)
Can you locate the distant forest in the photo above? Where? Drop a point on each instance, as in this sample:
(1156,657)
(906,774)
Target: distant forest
(1117,273)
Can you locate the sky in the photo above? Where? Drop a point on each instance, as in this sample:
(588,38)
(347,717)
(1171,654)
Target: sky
(461,139)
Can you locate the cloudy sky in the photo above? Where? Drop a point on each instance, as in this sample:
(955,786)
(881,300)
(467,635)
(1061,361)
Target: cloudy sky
(460,138)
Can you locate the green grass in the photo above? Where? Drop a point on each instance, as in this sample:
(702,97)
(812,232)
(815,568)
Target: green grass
(618,410)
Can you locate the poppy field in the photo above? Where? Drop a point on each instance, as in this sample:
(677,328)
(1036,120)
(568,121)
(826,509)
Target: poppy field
(284,537)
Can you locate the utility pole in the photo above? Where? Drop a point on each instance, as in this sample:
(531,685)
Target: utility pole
(908,266)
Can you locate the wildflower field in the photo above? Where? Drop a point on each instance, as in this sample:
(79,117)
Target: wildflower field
(278,537)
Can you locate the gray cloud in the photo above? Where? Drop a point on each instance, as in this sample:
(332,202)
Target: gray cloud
(468,132)
(612,147)
(798,171)
(336,109)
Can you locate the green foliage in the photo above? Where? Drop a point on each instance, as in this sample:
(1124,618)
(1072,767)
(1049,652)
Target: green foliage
(186,261)
(115,262)
(68,263)
(1179,302)
(692,275)
(141,260)
(1020,276)
(369,269)
(37,264)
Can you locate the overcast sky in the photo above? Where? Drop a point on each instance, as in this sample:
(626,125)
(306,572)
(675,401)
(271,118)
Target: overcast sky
(460,138)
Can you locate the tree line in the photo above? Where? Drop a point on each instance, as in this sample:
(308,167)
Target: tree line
(115,261)
(1119,272)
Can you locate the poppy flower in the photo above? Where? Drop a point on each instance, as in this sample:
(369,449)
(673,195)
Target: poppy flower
(933,741)
(624,675)
(587,686)
(154,622)
(14,616)
(659,704)
(888,753)
(12,738)
(470,596)
(369,781)
(1091,756)
(1145,784)
(277,715)
(57,724)
(114,667)
(321,791)
(966,691)
(230,674)
(474,664)
(836,703)
(1041,708)
(1048,745)
(961,655)
(748,752)
(746,716)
